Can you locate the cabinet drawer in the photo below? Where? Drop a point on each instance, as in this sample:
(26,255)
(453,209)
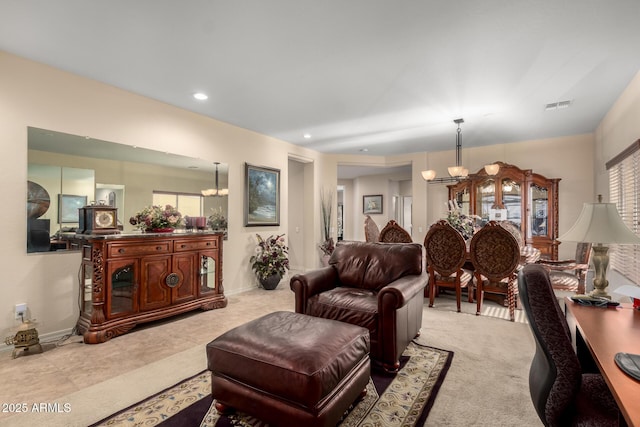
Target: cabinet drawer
(195,244)
(123,249)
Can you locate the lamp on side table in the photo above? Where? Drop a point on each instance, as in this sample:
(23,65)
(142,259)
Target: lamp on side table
(599,223)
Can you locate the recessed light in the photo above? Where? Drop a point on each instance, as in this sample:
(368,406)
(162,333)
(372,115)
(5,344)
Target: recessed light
(364,150)
(200,96)
(307,136)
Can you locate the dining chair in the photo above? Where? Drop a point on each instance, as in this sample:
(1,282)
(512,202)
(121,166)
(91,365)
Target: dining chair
(371,230)
(394,233)
(561,394)
(570,274)
(495,255)
(446,253)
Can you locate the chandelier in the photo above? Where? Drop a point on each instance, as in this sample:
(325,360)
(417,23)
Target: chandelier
(215,192)
(458,172)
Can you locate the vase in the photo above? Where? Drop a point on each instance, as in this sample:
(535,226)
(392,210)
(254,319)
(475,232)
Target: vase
(271,282)
(160,230)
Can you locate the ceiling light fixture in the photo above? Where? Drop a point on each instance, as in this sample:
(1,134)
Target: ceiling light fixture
(457,172)
(215,192)
(307,136)
(200,96)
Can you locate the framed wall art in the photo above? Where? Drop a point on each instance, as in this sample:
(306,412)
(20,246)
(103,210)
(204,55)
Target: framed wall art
(68,206)
(262,196)
(372,204)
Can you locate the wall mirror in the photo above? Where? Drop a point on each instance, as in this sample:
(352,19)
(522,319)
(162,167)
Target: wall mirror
(66,170)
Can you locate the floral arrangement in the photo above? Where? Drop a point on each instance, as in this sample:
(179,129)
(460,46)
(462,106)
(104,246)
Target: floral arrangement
(216,220)
(271,257)
(157,217)
(326,203)
(465,224)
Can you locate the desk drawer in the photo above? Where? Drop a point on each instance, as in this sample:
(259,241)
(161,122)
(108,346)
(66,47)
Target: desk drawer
(195,244)
(126,250)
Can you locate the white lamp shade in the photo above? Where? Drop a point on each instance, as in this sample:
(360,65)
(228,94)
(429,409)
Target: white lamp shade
(455,170)
(465,172)
(492,169)
(428,175)
(600,223)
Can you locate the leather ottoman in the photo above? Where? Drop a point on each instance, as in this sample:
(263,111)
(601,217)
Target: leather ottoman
(290,369)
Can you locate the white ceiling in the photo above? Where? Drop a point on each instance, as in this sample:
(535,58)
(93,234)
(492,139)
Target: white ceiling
(386,76)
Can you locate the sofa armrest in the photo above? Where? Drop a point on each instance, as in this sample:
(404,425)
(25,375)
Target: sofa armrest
(312,283)
(399,292)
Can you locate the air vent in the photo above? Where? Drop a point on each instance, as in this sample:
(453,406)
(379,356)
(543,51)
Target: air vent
(557,105)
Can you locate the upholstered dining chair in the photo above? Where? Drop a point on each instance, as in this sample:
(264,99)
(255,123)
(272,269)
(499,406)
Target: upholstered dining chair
(446,253)
(562,395)
(528,254)
(394,233)
(570,274)
(495,255)
(371,230)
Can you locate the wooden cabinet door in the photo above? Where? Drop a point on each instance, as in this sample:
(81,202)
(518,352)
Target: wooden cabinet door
(185,267)
(122,287)
(155,293)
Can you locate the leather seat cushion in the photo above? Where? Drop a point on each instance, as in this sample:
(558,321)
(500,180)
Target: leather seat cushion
(359,266)
(292,356)
(351,305)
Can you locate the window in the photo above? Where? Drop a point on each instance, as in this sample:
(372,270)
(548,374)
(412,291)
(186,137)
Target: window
(187,204)
(624,191)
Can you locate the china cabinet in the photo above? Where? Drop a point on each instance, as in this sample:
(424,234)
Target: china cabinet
(526,199)
(129,279)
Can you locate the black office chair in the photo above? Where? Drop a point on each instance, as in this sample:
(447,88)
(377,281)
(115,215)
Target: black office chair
(562,395)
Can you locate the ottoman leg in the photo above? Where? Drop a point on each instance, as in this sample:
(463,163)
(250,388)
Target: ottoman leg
(223,409)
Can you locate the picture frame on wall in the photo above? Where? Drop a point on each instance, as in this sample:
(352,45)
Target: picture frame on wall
(372,204)
(262,196)
(68,206)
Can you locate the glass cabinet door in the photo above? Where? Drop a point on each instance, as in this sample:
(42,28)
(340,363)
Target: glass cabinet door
(463,200)
(512,200)
(122,290)
(538,214)
(87,288)
(485,199)
(207,274)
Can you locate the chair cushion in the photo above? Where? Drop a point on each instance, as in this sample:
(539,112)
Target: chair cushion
(371,266)
(595,405)
(465,278)
(350,305)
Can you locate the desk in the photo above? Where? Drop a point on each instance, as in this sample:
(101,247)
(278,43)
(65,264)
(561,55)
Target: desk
(605,332)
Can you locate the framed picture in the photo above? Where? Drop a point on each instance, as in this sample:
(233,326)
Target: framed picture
(68,206)
(372,204)
(261,196)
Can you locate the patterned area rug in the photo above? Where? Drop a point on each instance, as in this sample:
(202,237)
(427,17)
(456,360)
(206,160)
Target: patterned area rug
(503,313)
(403,399)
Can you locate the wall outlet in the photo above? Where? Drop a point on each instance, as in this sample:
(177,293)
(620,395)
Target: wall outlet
(21,311)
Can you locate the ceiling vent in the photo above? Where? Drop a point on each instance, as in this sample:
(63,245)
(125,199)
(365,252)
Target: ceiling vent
(557,105)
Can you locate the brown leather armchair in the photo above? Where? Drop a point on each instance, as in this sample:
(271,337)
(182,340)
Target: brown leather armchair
(375,285)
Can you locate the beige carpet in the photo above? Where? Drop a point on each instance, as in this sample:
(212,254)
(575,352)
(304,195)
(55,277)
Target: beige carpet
(487,384)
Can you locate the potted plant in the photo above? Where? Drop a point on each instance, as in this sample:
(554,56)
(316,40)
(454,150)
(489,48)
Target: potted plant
(217,221)
(271,260)
(465,224)
(157,219)
(327,246)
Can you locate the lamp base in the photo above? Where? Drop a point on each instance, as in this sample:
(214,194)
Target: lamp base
(600,262)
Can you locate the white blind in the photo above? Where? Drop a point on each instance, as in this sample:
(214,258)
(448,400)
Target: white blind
(624,191)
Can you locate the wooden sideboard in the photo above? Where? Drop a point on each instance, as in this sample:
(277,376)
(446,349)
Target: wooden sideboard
(127,279)
(529,201)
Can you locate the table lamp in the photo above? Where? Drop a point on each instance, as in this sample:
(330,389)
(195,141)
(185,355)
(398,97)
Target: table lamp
(599,223)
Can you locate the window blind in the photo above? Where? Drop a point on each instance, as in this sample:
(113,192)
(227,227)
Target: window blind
(624,191)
